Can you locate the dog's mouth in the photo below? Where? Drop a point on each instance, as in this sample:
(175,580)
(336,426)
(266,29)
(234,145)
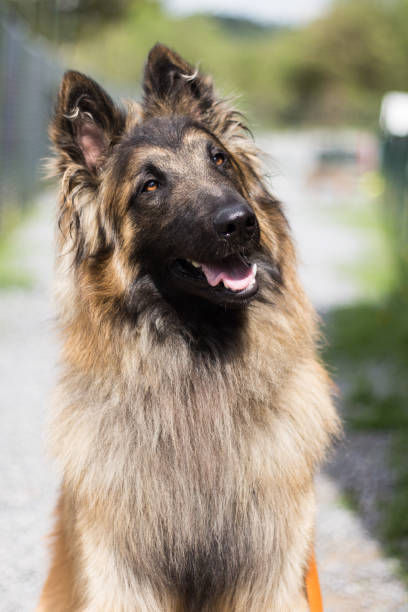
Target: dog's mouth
(226,281)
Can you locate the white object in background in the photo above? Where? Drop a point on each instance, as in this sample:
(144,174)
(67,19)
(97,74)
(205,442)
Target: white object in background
(394,113)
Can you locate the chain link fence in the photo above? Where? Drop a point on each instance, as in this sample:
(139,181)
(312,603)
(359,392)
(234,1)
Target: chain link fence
(29,78)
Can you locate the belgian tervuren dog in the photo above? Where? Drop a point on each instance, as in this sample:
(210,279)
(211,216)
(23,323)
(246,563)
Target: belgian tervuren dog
(192,409)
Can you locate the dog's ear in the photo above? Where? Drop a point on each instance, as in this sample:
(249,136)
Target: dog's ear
(86,122)
(171,84)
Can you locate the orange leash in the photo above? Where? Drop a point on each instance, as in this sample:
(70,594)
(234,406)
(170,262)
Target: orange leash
(314,596)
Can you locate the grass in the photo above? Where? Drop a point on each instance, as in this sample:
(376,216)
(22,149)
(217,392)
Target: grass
(368,348)
(376,273)
(12,272)
(396,516)
(348,500)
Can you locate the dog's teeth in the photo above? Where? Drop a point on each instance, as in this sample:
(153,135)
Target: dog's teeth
(195,264)
(254,269)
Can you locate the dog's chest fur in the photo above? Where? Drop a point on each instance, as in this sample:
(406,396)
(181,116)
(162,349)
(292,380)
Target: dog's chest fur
(189,456)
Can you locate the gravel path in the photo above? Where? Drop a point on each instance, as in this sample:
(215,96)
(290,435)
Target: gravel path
(27,358)
(354,574)
(316,201)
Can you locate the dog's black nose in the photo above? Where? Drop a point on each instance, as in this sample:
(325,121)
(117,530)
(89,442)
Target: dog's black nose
(236,222)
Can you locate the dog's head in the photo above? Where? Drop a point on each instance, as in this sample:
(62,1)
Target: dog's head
(167,196)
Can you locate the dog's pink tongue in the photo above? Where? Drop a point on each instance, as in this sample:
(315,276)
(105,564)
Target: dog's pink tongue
(232,271)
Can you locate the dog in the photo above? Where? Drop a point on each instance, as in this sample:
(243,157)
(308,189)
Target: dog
(192,409)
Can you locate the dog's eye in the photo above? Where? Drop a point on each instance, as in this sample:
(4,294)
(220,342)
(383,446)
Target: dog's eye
(151,185)
(218,159)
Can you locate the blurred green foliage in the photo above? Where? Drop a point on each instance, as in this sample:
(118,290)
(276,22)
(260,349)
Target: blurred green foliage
(12,272)
(367,345)
(368,350)
(331,71)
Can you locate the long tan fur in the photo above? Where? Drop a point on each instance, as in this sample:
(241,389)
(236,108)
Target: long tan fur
(187,474)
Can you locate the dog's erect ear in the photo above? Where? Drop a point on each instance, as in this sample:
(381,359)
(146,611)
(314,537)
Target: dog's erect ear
(171,83)
(86,122)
